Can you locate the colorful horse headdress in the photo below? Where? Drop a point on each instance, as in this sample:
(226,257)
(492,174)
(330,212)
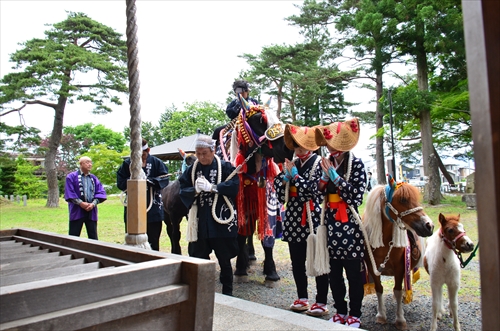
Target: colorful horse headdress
(390,188)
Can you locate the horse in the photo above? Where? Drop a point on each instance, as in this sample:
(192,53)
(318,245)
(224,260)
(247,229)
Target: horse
(173,208)
(254,141)
(393,221)
(441,261)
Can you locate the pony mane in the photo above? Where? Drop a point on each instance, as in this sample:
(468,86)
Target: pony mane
(407,192)
(372,217)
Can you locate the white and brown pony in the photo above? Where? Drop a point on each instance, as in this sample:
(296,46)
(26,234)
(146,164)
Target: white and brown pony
(443,265)
(393,221)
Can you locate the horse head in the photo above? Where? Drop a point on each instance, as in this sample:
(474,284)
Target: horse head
(398,205)
(453,234)
(404,205)
(260,127)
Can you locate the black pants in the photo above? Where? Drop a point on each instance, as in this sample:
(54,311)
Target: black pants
(298,253)
(225,249)
(153,231)
(353,271)
(75,227)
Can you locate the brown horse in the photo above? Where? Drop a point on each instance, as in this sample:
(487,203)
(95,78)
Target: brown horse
(393,222)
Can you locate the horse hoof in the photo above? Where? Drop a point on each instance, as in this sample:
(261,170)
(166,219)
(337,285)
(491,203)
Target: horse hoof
(273,277)
(401,325)
(270,283)
(252,258)
(240,272)
(381,320)
(241,279)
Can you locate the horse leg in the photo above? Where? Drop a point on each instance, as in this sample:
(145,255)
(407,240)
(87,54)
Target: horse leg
(242,260)
(381,316)
(173,232)
(269,266)
(175,239)
(453,297)
(400,316)
(251,249)
(437,304)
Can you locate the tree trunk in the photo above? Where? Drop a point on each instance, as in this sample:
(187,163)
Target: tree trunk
(379,123)
(280,101)
(425,118)
(50,157)
(443,169)
(433,186)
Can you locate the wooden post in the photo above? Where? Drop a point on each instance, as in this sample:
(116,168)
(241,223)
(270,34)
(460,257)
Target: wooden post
(482,35)
(25,200)
(136,206)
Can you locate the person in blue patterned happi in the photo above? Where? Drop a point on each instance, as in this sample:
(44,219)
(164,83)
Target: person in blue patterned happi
(344,180)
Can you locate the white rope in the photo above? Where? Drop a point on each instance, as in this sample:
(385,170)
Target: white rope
(229,205)
(226,199)
(123,198)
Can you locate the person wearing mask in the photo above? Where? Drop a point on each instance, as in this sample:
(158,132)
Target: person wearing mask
(209,188)
(157,178)
(370,182)
(343,180)
(297,187)
(83,191)
(234,107)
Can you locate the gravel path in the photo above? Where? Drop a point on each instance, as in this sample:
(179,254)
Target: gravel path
(418,313)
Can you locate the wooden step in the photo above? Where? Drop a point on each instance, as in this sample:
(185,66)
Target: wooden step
(46,264)
(23,256)
(27,257)
(47,274)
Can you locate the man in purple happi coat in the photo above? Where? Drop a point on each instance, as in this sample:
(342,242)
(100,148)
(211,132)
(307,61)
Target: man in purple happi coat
(83,191)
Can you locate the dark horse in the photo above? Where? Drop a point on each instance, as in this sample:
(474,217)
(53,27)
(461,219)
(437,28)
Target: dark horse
(256,144)
(173,208)
(175,211)
(394,221)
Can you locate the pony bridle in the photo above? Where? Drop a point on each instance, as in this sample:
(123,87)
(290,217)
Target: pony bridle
(451,244)
(399,222)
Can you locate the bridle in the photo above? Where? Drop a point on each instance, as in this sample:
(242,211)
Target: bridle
(452,244)
(399,215)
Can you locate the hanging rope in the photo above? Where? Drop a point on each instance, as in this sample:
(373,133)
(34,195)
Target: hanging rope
(134,87)
(136,172)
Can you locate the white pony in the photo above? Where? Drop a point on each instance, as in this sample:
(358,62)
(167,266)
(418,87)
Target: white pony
(443,265)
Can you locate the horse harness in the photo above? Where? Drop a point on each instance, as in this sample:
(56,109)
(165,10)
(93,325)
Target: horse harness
(451,244)
(399,222)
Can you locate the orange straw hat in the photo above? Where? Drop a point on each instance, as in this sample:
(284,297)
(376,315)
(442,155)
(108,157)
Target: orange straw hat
(302,135)
(341,136)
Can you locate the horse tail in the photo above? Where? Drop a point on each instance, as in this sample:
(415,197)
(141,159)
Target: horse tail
(372,217)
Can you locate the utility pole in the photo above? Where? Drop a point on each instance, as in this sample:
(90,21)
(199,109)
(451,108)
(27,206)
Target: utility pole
(392,137)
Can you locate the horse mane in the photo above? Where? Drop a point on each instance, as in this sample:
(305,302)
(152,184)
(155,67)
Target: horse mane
(374,210)
(372,217)
(407,192)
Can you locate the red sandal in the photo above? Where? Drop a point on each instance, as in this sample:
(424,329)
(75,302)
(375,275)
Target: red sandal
(300,305)
(353,322)
(338,318)
(318,309)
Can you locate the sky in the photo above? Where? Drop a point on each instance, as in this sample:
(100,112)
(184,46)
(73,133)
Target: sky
(188,51)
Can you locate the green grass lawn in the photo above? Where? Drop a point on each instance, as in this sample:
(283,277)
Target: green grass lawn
(111,229)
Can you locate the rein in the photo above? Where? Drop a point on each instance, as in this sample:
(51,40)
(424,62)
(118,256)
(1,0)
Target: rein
(451,244)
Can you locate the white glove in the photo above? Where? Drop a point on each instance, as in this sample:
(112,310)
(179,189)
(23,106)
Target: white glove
(202,184)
